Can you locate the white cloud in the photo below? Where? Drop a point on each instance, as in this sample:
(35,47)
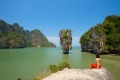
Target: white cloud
(75,41)
(55,40)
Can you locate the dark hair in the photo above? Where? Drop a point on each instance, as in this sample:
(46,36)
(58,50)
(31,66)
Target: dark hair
(97,56)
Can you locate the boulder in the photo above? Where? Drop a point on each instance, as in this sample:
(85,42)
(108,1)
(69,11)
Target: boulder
(81,74)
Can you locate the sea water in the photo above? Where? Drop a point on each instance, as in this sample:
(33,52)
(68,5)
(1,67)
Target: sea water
(27,63)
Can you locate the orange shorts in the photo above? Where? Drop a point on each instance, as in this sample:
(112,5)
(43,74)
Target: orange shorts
(94,66)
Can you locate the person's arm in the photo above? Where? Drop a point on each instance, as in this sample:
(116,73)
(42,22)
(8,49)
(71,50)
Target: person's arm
(97,61)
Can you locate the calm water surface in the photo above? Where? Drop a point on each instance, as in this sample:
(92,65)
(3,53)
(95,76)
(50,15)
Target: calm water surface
(28,62)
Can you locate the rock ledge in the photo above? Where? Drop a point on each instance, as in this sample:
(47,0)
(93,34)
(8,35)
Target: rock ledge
(81,74)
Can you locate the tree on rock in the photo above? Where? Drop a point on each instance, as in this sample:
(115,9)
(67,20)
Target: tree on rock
(65,40)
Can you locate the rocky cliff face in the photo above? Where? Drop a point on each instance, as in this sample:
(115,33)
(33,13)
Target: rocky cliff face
(81,74)
(103,38)
(39,40)
(14,36)
(65,40)
(93,40)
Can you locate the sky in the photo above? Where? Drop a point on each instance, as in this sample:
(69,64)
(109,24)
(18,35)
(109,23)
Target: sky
(50,16)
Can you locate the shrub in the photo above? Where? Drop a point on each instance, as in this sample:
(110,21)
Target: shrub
(52,69)
(61,66)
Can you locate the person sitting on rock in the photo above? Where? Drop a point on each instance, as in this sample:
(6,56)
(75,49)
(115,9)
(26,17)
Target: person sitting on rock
(97,65)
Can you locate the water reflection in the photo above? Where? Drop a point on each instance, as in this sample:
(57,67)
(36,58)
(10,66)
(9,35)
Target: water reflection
(65,58)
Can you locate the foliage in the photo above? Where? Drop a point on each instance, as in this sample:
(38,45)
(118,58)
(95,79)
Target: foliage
(65,40)
(103,38)
(52,69)
(13,36)
(61,66)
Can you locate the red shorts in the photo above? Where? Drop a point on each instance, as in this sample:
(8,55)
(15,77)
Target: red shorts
(94,66)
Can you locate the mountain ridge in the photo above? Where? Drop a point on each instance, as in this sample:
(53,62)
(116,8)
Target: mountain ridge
(14,36)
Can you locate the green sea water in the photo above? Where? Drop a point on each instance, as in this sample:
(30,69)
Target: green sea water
(27,63)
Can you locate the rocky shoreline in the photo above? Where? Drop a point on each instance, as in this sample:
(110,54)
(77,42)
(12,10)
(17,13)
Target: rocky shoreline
(81,74)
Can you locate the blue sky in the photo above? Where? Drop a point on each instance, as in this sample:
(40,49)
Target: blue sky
(50,16)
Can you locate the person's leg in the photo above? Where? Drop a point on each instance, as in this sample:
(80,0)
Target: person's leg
(99,66)
(90,65)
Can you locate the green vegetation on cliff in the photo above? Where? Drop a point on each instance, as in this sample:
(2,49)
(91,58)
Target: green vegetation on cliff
(13,36)
(103,38)
(65,40)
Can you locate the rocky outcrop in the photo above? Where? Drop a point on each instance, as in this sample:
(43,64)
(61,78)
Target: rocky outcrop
(65,40)
(81,74)
(94,40)
(14,36)
(38,39)
(103,38)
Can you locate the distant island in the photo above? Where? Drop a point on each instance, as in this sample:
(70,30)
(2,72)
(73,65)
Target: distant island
(14,36)
(104,38)
(65,40)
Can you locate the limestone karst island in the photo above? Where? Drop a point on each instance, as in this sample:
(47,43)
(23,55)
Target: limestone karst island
(14,36)
(59,39)
(29,55)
